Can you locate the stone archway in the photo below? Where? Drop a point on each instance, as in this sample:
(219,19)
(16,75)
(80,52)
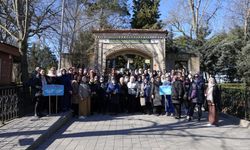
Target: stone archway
(147,43)
(112,54)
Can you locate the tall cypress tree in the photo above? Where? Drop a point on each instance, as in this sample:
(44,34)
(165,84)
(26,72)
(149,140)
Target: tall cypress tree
(146,14)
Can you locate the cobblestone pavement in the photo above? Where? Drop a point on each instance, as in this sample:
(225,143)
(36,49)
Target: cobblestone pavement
(147,132)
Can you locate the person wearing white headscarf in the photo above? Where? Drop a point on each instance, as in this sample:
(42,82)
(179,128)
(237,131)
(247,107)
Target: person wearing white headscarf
(132,94)
(213,101)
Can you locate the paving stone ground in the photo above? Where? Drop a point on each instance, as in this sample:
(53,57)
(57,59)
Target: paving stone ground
(147,132)
(20,133)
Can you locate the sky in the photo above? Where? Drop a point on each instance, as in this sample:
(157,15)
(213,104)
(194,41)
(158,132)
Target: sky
(217,24)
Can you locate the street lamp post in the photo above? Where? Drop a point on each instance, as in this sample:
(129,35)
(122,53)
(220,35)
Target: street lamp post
(61,38)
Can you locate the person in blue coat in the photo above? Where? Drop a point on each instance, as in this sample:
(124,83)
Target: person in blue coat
(113,92)
(169,108)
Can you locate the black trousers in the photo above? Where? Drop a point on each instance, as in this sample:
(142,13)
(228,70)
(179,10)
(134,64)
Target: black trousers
(192,107)
(131,103)
(38,105)
(177,109)
(75,108)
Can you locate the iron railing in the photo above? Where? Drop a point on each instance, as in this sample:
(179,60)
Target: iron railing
(9,100)
(235,101)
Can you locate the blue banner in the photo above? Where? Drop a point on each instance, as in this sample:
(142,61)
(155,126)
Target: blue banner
(165,90)
(53,90)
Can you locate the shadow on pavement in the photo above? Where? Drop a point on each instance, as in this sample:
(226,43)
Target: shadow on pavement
(153,129)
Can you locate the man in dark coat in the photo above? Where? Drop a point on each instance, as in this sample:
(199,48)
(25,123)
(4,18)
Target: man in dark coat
(177,96)
(64,79)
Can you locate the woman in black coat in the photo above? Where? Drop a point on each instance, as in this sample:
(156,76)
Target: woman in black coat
(156,97)
(196,96)
(177,96)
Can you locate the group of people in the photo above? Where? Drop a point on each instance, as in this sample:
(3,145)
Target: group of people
(127,91)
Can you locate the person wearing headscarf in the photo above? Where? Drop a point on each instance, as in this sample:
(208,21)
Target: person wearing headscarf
(94,87)
(52,78)
(132,94)
(123,95)
(84,103)
(75,95)
(103,102)
(213,100)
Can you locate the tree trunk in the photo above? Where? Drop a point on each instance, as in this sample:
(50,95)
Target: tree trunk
(23,45)
(247,26)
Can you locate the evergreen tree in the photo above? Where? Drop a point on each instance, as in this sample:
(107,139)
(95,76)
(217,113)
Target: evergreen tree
(83,49)
(146,14)
(106,11)
(41,56)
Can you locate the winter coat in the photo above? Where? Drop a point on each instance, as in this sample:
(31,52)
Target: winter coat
(65,80)
(37,86)
(132,88)
(201,91)
(186,85)
(155,91)
(216,97)
(52,79)
(193,92)
(84,91)
(113,91)
(94,88)
(102,90)
(123,90)
(75,92)
(177,91)
(113,88)
(146,91)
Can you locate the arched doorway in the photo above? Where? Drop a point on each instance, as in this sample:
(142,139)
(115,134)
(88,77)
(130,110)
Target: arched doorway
(129,59)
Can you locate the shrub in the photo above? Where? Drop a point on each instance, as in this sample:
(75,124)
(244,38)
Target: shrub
(233,99)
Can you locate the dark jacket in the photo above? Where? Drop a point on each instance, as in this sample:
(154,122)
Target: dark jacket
(53,80)
(155,90)
(193,92)
(37,86)
(65,80)
(217,97)
(201,90)
(113,88)
(177,91)
(123,90)
(186,85)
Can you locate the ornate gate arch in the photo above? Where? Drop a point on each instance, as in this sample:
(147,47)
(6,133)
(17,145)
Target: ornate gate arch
(147,43)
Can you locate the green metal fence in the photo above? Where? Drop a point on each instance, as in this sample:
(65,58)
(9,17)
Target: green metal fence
(235,101)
